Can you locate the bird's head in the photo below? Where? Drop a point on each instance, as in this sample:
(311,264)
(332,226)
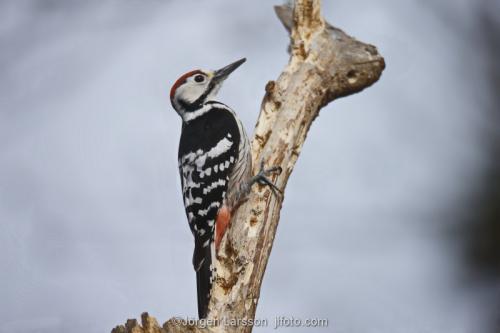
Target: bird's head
(194,88)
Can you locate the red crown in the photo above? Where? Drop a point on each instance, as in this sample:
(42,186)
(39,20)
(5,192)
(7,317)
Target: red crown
(181,81)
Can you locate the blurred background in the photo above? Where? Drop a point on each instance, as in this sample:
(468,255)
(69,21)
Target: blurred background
(391,217)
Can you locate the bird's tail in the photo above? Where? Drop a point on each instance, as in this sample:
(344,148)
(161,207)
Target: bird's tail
(203,262)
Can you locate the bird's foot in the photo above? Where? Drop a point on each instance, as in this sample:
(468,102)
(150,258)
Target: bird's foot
(261,177)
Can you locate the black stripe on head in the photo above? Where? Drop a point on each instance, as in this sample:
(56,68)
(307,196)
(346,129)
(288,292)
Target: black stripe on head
(198,103)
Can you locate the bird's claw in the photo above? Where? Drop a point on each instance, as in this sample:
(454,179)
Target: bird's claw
(262,179)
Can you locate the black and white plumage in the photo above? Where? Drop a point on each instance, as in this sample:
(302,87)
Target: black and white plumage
(214,164)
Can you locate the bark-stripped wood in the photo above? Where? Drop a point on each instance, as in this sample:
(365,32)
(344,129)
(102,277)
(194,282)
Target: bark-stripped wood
(325,64)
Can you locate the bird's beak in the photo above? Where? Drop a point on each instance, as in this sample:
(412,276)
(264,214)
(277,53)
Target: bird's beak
(221,74)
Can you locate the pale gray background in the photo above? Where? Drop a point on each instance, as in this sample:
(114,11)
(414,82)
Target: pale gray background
(92,228)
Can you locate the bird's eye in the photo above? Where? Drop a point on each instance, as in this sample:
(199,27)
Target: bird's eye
(199,78)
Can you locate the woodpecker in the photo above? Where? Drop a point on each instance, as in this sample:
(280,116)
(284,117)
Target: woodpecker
(215,167)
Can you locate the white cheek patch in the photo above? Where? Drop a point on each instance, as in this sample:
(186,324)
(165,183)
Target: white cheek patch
(189,92)
(214,92)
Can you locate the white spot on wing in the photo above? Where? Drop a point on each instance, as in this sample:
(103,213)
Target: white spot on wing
(221,147)
(204,212)
(215,184)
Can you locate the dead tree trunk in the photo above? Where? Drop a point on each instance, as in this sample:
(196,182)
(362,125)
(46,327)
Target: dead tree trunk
(325,64)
